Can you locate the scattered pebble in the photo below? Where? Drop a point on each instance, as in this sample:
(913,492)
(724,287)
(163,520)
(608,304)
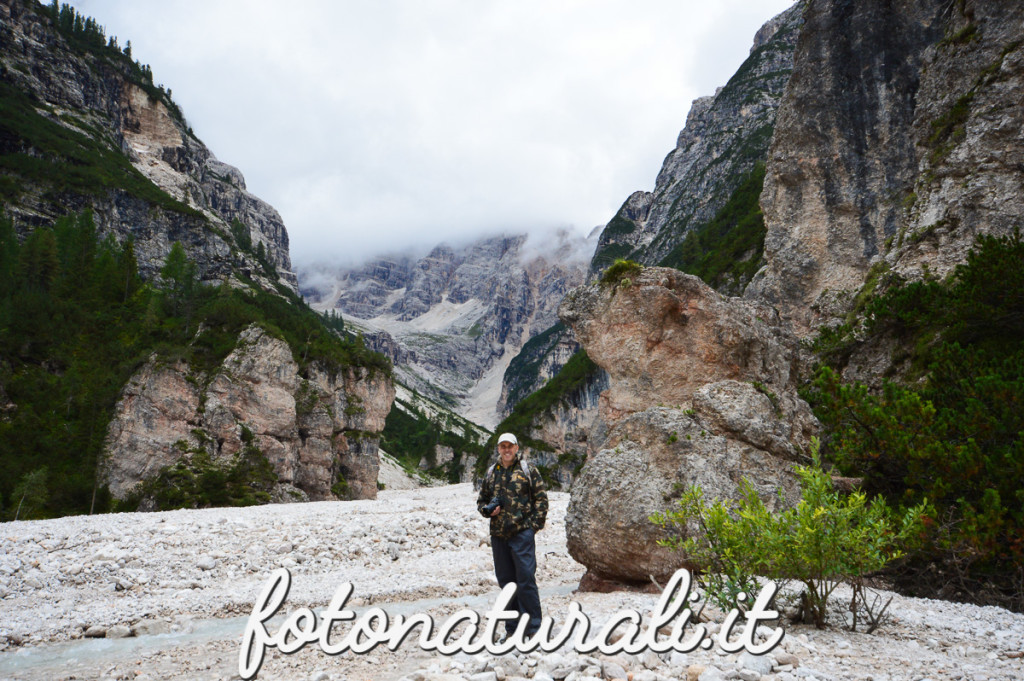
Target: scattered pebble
(144,575)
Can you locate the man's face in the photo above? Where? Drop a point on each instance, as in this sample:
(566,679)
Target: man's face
(507,452)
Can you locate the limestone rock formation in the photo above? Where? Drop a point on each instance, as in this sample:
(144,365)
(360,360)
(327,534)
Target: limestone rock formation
(315,429)
(101,106)
(641,468)
(899,140)
(702,391)
(666,333)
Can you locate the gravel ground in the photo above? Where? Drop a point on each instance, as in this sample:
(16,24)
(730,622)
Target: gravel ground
(167,596)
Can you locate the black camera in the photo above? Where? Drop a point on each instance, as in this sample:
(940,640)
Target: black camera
(493,504)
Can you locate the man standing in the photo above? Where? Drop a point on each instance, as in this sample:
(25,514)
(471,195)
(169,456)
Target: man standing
(522,509)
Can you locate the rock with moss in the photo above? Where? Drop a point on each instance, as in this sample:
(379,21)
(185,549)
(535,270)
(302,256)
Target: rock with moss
(313,429)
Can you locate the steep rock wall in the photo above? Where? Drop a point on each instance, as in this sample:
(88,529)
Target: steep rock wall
(724,137)
(899,139)
(93,96)
(573,429)
(313,429)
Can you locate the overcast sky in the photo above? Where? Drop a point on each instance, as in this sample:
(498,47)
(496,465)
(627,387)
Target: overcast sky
(380,124)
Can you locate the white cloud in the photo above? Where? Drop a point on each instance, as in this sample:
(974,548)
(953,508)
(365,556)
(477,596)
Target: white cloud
(370,126)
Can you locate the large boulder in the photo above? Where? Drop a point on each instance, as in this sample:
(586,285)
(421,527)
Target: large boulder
(648,460)
(702,391)
(662,334)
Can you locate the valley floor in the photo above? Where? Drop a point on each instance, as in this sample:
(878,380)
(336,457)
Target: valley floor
(172,592)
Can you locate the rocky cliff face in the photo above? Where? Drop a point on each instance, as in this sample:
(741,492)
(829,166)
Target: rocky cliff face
(725,136)
(702,391)
(170,189)
(898,141)
(316,430)
(84,127)
(574,430)
(539,359)
(458,316)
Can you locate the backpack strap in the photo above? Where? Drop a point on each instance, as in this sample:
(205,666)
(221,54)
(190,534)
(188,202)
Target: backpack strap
(522,464)
(529,479)
(489,475)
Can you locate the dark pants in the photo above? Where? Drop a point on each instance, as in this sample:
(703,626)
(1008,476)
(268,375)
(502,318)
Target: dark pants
(515,560)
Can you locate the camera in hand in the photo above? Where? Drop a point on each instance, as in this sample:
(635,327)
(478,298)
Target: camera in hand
(491,505)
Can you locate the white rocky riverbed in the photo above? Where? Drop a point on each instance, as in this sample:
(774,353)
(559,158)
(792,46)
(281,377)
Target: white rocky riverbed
(166,596)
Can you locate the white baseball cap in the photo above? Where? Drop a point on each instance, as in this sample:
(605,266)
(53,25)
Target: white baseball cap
(508,437)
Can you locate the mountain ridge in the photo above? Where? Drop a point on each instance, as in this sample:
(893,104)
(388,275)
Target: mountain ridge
(455,317)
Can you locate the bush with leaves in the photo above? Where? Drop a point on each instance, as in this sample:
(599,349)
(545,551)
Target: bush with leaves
(826,539)
(200,481)
(956,436)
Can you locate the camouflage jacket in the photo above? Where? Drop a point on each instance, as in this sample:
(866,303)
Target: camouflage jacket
(524,500)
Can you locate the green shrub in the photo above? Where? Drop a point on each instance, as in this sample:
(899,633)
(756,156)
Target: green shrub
(199,481)
(826,539)
(620,269)
(955,435)
(957,442)
(727,251)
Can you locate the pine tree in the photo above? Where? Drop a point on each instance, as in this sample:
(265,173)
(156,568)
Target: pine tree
(180,284)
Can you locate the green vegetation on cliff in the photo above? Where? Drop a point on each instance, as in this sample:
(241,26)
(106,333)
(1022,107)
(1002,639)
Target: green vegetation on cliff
(411,436)
(199,481)
(524,369)
(726,252)
(955,436)
(76,321)
(62,154)
(37,152)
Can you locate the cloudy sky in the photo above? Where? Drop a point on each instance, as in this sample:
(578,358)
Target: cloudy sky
(381,124)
